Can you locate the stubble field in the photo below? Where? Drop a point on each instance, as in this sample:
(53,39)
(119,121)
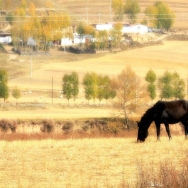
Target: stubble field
(93,163)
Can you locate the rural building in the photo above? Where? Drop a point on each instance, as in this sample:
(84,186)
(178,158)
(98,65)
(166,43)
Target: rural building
(136,28)
(77,39)
(5,38)
(127,28)
(102,27)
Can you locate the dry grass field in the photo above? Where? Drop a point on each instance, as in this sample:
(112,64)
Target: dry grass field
(87,163)
(33,75)
(93,163)
(49,161)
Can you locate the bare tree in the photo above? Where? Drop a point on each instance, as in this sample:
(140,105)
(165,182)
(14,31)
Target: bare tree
(130,93)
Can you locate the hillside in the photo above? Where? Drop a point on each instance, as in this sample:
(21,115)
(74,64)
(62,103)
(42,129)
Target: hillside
(100,11)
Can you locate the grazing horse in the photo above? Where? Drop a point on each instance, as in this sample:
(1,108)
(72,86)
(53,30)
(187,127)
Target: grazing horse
(166,112)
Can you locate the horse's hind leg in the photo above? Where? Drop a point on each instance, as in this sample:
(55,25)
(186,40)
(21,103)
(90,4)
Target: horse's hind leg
(186,131)
(185,123)
(168,130)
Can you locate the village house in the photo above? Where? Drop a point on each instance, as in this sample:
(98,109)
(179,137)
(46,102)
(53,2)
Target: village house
(136,28)
(5,38)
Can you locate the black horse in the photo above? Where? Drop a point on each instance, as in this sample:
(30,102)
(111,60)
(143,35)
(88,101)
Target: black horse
(166,112)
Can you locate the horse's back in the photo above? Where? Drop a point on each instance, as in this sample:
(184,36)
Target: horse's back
(177,108)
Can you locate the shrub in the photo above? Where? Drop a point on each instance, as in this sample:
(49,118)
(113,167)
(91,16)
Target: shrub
(168,176)
(47,126)
(85,127)
(6,124)
(67,126)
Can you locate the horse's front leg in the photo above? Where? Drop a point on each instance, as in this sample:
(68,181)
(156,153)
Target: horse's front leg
(186,131)
(158,127)
(168,130)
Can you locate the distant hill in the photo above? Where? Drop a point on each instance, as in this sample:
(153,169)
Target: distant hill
(100,11)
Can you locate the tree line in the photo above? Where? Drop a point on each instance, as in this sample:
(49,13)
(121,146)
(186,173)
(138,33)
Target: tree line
(95,86)
(170,85)
(126,86)
(159,15)
(127,91)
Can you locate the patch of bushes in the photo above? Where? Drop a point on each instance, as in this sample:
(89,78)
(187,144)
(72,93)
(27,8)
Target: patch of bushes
(167,176)
(7,124)
(47,126)
(109,125)
(67,127)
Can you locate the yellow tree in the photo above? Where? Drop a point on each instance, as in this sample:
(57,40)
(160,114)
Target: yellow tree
(102,40)
(53,26)
(35,25)
(160,15)
(130,93)
(40,29)
(118,8)
(116,34)
(17,30)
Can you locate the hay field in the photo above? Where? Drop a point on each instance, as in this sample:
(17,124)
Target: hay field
(91,163)
(35,74)
(81,163)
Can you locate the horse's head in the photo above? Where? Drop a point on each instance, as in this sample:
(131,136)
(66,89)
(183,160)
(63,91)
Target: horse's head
(142,132)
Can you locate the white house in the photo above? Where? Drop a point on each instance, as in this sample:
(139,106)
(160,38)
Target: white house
(102,27)
(76,40)
(136,28)
(5,38)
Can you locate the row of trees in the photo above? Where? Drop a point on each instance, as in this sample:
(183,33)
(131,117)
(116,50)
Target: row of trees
(95,86)
(158,15)
(127,90)
(126,86)
(170,85)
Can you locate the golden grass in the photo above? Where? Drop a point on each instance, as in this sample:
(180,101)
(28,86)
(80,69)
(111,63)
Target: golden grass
(171,56)
(112,162)
(56,113)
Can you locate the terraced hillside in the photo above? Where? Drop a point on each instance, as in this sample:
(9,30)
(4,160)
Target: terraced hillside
(100,11)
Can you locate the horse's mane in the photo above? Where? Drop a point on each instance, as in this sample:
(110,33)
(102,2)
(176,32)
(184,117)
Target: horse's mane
(149,114)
